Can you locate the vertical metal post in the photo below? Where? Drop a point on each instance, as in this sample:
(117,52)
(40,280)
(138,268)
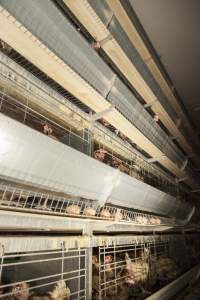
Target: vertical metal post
(104,271)
(79,272)
(63,258)
(25,114)
(89,274)
(115,266)
(2,260)
(2,99)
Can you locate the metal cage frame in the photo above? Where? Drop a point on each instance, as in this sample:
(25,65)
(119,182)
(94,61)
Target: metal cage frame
(73,280)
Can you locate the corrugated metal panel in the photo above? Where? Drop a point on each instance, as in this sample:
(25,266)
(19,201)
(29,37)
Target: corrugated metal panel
(29,156)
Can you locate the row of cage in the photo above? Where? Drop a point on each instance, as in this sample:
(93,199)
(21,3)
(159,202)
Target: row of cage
(132,270)
(56,274)
(135,271)
(82,141)
(23,199)
(14,73)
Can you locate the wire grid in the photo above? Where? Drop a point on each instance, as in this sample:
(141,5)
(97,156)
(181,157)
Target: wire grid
(23,199)
(37,73)
(24,114)
(140,170)
(38,273)
(152,266)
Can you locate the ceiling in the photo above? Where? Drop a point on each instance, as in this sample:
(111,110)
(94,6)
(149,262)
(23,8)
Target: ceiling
(173,27)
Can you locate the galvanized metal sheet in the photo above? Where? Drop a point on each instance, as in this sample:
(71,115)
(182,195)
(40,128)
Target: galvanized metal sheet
(130,192)
(29,156)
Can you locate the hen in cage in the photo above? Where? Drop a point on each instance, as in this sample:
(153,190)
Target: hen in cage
(141,220)
(58,274)
(166,268)
(155,221)
(107,274)
(73,209)
(95,277)
(139,267)
(118,215)
(121,271)
(47,129)
(59,292)
(22,291)
(19,292)
(89,211)
(105,213)
(5,47)
(10,198)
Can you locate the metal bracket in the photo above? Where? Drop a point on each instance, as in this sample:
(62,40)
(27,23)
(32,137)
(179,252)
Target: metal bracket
(87,230)
(112,82)
(155,159)
(184,164)
(150,104)
(109,20)
(105,40)
(100,114)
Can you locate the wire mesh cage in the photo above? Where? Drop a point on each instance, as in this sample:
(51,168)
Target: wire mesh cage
(29,200)
(81,140)
(136,270)
(77,139)
(49,274)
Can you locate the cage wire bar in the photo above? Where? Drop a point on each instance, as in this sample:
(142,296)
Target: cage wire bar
(57,273)
(138,269)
